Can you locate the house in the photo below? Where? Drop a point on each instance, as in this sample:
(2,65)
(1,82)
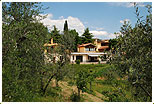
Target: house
(50,48)
(90,52)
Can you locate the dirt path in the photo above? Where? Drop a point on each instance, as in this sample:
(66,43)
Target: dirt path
(67,91)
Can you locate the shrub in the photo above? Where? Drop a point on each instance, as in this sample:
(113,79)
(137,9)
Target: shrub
(77,61)
(74,97)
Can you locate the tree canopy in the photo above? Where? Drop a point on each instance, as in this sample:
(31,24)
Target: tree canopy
(87,36)
(55,35)
(133,56)
(23,39)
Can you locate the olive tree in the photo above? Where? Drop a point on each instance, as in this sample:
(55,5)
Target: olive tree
(22,49)
(133,56)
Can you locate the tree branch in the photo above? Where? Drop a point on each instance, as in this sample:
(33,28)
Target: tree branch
(48,83)
(146,91)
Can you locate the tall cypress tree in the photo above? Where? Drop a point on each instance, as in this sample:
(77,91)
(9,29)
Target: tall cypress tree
(65,26)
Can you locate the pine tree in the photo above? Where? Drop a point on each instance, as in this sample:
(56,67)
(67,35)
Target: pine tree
(55,35)
(87,36)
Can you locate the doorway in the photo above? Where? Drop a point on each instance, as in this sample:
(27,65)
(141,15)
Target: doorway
(79,58)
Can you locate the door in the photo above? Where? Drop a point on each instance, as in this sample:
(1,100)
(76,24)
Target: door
(79,58)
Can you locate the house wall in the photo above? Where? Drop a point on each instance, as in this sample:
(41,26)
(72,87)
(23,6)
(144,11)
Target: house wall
(85,58)
(81,49)
(71,58)
(98,46)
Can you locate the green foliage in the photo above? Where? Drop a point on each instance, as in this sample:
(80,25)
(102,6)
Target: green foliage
(87,37)
(115,96)
(77,39)
(81,80)
(23,40)
(53,94)
(65,27)
(77,61)
(113,43)
(60,68)
(104,80)
(55,35)
(67,41)
(74,97)
(91,75)
(134,55)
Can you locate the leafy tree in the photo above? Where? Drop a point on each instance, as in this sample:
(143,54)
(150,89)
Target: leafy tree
(113,43)
(23,59)
(81,81)
(55,35)
(77,39)
(67,40)
(91,75)
(134,55)
(59,69)
(87,37)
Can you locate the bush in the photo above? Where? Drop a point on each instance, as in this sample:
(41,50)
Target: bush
(77,61)
(74,97)
(71,83)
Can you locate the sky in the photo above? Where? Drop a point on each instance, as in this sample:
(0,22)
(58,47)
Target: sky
(102,18)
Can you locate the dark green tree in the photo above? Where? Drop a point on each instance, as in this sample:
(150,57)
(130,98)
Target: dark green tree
(65,27)
(77,39)
(68,39)
(55,35)
(91,75)
(23,39)
(87,37)
(113,43)
(81,81)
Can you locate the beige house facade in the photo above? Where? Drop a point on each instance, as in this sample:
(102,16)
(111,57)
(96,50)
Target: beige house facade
(90,52)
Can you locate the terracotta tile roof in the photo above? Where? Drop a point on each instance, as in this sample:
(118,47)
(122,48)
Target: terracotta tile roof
(83,45)
(104,47)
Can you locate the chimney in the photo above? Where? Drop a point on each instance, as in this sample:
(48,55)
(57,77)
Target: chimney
(51,40)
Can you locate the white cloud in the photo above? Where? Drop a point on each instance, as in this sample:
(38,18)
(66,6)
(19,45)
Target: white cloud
(73,23)
(103,34)
(96,28)
(140,4)
(99,28)
(122,21)
(61,17)
(127,4)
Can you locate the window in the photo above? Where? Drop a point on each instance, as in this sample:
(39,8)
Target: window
(87,49)
(92,49)
(102,44)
